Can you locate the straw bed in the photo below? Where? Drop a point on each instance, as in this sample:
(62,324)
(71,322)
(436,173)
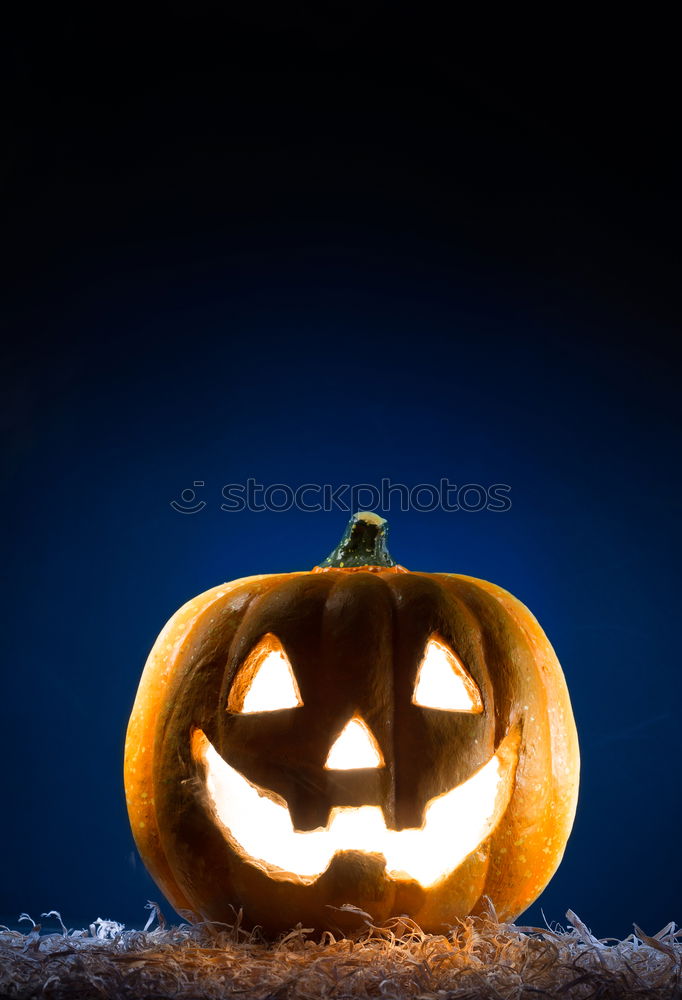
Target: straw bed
(479,957)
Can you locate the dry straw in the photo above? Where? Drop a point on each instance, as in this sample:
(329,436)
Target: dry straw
(477,958)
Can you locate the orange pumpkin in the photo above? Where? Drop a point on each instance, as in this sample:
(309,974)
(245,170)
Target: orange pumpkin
(358,734)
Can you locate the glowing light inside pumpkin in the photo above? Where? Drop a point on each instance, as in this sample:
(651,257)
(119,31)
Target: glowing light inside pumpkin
(443,681)
(273,685)
(356,747)
(455,824)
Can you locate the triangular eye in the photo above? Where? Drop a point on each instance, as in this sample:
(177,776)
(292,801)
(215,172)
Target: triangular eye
(444,682)
(265,682)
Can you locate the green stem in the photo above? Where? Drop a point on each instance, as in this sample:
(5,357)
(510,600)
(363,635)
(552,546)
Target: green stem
(363,543)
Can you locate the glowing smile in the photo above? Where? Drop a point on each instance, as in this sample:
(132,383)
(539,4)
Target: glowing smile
(455,823)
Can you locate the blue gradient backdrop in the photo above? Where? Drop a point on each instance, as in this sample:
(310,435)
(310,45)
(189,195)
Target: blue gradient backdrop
(206,285)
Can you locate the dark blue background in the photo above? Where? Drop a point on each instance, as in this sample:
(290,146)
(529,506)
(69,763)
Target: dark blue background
(333,249)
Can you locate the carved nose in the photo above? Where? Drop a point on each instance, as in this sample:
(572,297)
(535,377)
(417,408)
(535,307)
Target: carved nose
(355,747)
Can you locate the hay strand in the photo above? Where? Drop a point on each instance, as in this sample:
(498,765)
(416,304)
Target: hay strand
(476,958)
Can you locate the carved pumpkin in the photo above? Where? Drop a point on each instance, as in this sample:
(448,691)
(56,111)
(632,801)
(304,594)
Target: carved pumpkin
(358,734)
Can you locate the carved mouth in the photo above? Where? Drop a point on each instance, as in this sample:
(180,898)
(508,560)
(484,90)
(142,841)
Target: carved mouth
(456,823)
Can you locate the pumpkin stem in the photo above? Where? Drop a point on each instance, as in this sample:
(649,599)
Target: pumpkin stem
(363,544)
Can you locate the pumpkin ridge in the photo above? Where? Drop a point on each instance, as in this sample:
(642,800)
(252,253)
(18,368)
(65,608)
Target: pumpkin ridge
(550,683)
(142,807)
(375,590)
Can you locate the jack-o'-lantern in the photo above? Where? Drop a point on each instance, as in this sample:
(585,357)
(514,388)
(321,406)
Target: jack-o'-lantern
(359,734)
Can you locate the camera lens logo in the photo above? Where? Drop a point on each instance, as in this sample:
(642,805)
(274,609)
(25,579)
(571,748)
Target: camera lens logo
(188,503)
